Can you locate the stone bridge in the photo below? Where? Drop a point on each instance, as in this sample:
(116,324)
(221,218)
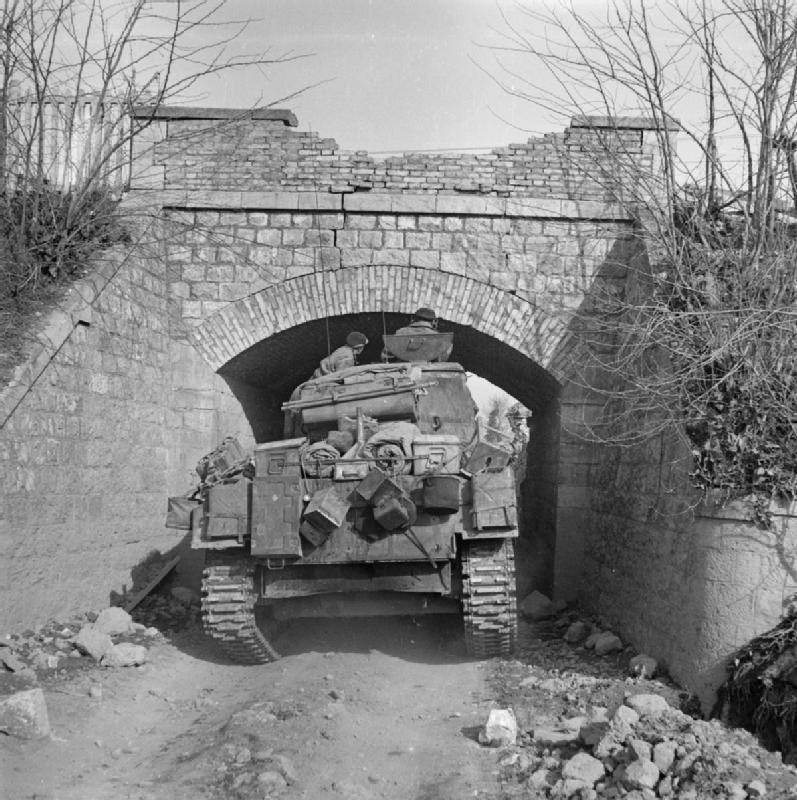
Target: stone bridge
(259,247)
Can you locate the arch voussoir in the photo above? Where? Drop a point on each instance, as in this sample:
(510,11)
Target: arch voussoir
(497,313)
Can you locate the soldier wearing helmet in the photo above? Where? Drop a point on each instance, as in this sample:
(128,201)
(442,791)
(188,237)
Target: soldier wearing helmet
(424,320)
(345,356)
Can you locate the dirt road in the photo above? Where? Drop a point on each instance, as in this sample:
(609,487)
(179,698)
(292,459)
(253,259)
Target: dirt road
(379,708)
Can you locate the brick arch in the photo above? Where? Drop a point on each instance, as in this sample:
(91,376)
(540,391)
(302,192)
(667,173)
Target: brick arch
(261,346)
(516,323)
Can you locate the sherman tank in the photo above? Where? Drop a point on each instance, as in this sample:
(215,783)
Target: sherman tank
(386,496)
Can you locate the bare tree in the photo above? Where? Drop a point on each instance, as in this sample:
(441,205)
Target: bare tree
(700,343)
(71,74)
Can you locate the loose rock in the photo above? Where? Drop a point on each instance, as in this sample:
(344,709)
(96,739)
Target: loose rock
(624,717)
(125,655)
(595,728)
(10,661)
(592,638)
(93,642)
(640,750)
(537,606)
(114,621)
(664,756)
(500,729)
(648,705)
(642,666)
(607,643)
(642,774)
(24,714)
(585,768)
(577,632)
(756,789)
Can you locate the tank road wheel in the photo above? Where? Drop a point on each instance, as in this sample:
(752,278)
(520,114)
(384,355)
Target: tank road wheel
(489,604)
(228,608)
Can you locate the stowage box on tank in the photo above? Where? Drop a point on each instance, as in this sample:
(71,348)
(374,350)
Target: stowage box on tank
(384,497)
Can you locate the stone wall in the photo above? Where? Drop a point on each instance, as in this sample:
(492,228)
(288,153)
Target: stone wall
(684,581)
(109,414)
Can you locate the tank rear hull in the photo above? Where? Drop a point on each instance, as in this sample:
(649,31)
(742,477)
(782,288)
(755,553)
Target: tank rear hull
(385,499)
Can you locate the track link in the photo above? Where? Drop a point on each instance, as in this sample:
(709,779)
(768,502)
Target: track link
(489,603)
(228,608)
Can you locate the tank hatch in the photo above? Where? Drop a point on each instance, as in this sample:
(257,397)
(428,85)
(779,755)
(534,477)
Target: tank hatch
(419,346)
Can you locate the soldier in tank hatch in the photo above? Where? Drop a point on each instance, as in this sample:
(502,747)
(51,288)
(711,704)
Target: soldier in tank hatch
(424,320)
(345,356)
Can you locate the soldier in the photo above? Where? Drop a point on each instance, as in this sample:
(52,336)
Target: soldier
(343,357)
(424,320)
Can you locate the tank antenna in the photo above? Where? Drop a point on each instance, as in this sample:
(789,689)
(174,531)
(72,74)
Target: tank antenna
(317,223)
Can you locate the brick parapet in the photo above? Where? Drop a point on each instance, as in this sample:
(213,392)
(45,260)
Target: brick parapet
(245,154)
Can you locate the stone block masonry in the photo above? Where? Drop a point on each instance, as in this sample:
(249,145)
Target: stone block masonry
(115,411)
(273,243)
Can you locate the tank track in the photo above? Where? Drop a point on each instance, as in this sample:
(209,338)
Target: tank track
(489,603)
(228,608)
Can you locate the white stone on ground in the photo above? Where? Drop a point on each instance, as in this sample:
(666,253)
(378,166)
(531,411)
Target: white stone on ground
(583,767)
(500,729)
(114,620)
(648,705)
(24,714)
(642,774)
(93,642)
(664,755)
(125,655)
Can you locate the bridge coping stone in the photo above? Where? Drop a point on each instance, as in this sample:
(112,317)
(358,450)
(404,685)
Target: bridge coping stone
(384,203)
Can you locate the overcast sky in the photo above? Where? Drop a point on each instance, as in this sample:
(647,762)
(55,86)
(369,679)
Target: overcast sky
(393,74)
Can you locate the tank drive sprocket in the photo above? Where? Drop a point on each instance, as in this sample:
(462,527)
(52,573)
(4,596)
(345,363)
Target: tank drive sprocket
(228,608)
(489,603)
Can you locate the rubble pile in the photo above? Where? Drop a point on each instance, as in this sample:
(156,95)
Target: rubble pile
(55,651)
(641,749)
(597,720)
(111,638)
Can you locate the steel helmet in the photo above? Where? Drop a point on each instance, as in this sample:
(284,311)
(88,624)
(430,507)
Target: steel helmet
(356,339)
(425,313)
